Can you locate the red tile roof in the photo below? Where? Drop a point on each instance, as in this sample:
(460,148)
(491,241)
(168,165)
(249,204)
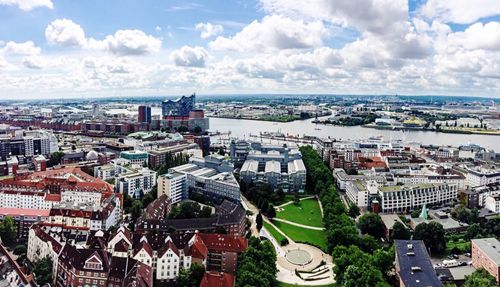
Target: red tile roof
(198,249)
(217,279)
(224,242)
(24,212)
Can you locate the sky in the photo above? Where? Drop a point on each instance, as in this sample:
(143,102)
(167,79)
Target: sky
(95,48)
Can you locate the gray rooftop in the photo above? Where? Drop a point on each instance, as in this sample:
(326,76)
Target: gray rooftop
(490,246)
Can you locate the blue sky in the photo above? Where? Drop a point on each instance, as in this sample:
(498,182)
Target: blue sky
(100,18)
(99,48)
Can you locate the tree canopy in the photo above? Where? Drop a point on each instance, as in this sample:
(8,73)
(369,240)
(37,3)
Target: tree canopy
(480,278)
(190,277)
(432,234)
(371,223)
(43,271)
(8,230)
(257,265)
(399,231)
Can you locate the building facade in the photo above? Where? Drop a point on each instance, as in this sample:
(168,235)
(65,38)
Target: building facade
(485,255)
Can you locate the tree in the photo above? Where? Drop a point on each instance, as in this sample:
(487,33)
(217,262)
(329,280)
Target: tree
(197,130)
(371,223)
(190,209)
(363,274)
(296,199)
(353,210)
(271,212)
(55,158)
(148,198)
(206,211)
(259,221)
(399,231)
(20,249)
(182,129)
(43,271)
(8,230)
(190,277)
(280,195)
(264,205)
(472,231)
(480,278)
(284,242)
(136,210)
(432,234)
(257,265)
(127,202)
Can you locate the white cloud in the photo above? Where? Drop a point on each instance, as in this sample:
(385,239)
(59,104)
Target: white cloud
(132,42)
(209,30)
(33,62)
(28,5)
(460,11)
(25,48)
(274,32)
(3,62)
(189,56)
(65,32)
(375,16)
(478,36)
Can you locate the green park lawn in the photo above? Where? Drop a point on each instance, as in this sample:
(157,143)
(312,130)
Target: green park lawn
(275,233)
(307,213)
(303,235)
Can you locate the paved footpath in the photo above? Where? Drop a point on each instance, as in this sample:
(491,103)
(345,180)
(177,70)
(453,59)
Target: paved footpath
(298,224)
(291,201)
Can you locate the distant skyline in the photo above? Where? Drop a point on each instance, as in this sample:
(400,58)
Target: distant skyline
(86,49)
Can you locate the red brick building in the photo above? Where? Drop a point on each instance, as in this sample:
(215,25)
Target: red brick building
(217,279)
(485,254)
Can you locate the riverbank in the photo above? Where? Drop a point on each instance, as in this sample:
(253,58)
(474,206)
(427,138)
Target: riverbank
(276,119)
(466,131)
(243,128)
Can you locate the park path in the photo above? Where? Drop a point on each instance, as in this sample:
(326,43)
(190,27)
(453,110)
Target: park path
(291,201)
(320,206)
(247,205)
(298,224)
(275,227)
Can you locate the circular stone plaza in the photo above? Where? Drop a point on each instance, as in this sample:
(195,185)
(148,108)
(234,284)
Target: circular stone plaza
(298,257)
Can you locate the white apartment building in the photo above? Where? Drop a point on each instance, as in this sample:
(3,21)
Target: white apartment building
(82,197)
(405,198)
(211,177)
(482,176)
(359,193)
(25,199)
(413,179)
(173,185)
(493,203)
(136,183)
(42,244)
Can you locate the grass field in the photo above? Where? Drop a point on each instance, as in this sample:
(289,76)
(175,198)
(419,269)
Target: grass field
(299,234)
(281,284)
(275,233)
(307,213)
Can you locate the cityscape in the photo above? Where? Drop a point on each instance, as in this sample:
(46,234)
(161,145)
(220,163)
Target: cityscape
(314,176)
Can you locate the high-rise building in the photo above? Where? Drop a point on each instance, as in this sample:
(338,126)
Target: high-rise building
(144,114)
(179,107)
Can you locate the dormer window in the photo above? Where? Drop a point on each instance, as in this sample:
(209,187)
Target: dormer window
(93,263)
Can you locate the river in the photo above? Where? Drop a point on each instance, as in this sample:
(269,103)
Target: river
(243,128)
